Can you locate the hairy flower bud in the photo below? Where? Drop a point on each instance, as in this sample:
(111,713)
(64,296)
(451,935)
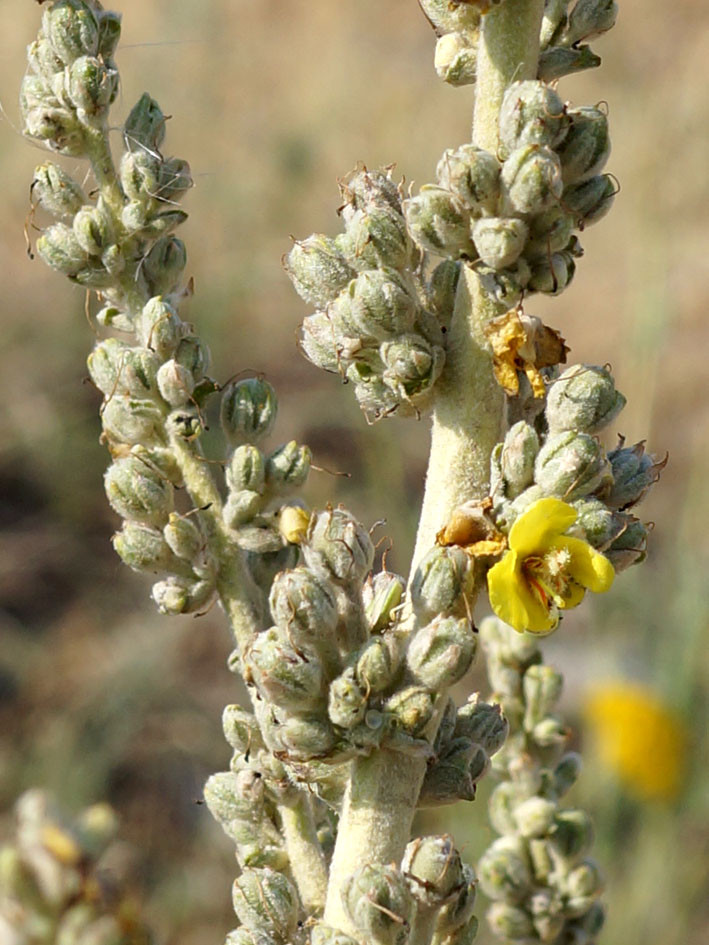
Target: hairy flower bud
(585,150)
(472,175)
(519,451)
(410,708)
(583,398)
(453,775)
(317,269)
(499,240)
(60,249)
(294,681)
(558,61)
(178,595)
(510,923)
(553,274)
(633,474)
(379,904)
(340,546)
(542,687)
(382,594)
(433,869)
(164,265)
(451,15)
(570,465)
(531,178)
(534,817)
(456,57)
(56,191)
(630,546)
(304,607)
(439,581)
(175,383)
(265,900)
(72,28)
(438,222)
(246,469)
(589,18)
(549,232)
(347,700)
(531,113)
(582,887)
(378,304)
(143,547)
(377,237)
(184,537)
(440,653)
(505,870)
(376,664)
(441,290)
(572,833)
(412,365)
(159,328)
(287,467)
(92,87)
(483,723)
(248,410)
(306,738)
(144,128)
(137,491)
(591,199)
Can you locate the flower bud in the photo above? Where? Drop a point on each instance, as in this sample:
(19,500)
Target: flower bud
(317,269)
(438,222)
(553,274)
(510,923)
(550,732)
(451,16)
(149,225)
(531,113)
(305,739)
(175,383)
(304,607)
(322,934)
(382,594)
(633,474)
(504,286)
(144,128)
(56,191)
(630,547)
(531,178)
(483,723)
(320,342)
(246,469)
(499,240)
(46,120)
(241,507)
(159,328)
(519,452)
(472,175)
(376,665)
(347,700)
(379,904)
(453,775)
(582,887)
(240,729)
(60,249)
(456,915)
(584,398)
(291,680)
(542,686)
(558,61)
(585,150)
(140,174)
(572,833)
(549,232)
(137,491)
(503,803)
(534,817)
(456,57)
(378,237)
(433,869)
(566,772)
(133,421)
(287,467)
(92,87)
(439,581)
(440,654)
(230,796)
(178,595)
(412,365)
(265,900)
(411,709)
(590,200)
(505,870)
(379,305)
(164,265)
(340,546)
(589,18)
(143,547)
(72,28)
(248,410)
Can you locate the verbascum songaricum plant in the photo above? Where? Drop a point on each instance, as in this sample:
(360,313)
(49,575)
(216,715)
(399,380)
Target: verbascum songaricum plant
(421,304)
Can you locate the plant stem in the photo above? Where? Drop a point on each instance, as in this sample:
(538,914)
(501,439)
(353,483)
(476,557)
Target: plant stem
(304,851)
(99,154)
(383,790)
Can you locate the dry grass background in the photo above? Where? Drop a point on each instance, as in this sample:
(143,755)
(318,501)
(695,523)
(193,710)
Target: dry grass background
(272,101)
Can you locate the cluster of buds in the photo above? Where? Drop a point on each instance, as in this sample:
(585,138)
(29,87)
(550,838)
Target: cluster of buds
(543,885)
(512,215)
(378,324)
(559,454)
(121,243)
(54,884)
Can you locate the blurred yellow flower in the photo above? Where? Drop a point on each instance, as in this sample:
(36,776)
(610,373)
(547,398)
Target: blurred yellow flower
(544,570)
(638,737)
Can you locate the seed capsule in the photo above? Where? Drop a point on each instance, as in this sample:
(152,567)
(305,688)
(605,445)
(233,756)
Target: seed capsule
(439,223)
(248,410)
(583,398)
(318,270)
(531,178)
(472,175)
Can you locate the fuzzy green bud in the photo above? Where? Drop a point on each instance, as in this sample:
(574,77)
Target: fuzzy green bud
(246,469)
(456,58)
(585,150)
(550,732)
(531,178)
(483,723)
(456,915)
(347,700)
(164,265)
(582,887)
(60,249)
(439,581)
(570,465)
(535,816)
(441,653)
(248,410)
(376,665)
(317,269)
(510,923)
(590,200)
(454,774)
(378,237)
(410,709)
(291,680)
(379,904)
(572,833)
(304,739)
(184,537)
(378,304)
(531,113)
(175,383)
(433,869)
(542,686)
(159,328)
(72,29)
(558,61)
(140,175)
(439,222)
(382,594)
(241,507)
(553,274)
(499,240)
(142,547)
(338,545)
(287,467)
(472,175)
(589,18)
(502,806)
(567,772)
(178,595)
(137,491)
(240,728)
(633,474)
(441,290)
(505,870)
(303,606)
(133,421)
(322,934)
(93,86)
(46,120)
(265,900)
(630,547)
(519,451)
(452,15)
(549,232)
(583,398)
(144,128)
(56,191)
(412,365)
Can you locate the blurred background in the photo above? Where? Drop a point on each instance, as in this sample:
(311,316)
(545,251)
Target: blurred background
(100,698)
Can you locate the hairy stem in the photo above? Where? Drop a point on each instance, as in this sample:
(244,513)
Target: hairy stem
(383,790)
(304,851)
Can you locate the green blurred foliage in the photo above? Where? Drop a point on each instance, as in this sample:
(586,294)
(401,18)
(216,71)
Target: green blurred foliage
(272,101)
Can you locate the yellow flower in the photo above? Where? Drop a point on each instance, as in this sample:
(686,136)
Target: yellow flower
(545,570)
(639,738)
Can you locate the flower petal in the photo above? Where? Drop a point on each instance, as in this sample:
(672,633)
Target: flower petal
(538,525)
(587,566)
(513,601)
(573,596)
